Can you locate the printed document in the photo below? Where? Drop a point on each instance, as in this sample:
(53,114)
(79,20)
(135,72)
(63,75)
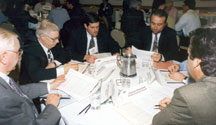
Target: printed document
(78,85)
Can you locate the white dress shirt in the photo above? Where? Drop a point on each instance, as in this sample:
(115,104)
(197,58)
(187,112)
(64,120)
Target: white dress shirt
(89,36)
(188,22)
(59,70)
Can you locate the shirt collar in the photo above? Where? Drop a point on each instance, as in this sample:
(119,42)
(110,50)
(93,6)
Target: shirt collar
(44,48)
(5,77)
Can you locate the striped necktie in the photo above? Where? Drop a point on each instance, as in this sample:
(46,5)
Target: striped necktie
(92,43)
(155,44)
(49,56)
(19,92)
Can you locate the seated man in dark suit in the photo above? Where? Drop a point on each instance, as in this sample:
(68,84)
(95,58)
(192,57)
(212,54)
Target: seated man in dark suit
(17,107)
(194,104)
(159,38)
(42,58)
(90,39)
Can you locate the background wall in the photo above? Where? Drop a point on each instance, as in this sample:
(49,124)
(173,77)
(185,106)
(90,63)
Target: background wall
(177,3)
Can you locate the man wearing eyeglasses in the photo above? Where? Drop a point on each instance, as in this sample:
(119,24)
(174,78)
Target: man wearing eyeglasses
(43,59)
(16,106)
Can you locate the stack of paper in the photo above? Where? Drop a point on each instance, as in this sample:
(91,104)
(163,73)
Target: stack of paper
(78,85)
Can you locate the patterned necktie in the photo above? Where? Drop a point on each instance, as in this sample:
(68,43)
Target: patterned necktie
(92,44)
(155,45)
(49,56)
(19,92)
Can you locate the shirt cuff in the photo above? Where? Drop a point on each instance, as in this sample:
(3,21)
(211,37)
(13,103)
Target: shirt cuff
(60,70)
(186,80)
(48,87)
(162,58)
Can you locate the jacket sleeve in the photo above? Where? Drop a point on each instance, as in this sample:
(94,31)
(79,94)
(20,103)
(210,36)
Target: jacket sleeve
(14,111)
(36,68)
(34,90)
(177,112)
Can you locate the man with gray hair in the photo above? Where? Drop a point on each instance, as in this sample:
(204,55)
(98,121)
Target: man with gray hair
(16,104)
(43,58)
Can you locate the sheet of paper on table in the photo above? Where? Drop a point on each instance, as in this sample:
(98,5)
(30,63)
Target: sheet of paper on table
(78,85)
(102,55)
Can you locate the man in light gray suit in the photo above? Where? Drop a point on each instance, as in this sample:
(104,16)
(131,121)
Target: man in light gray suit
(194,104)
(16,106)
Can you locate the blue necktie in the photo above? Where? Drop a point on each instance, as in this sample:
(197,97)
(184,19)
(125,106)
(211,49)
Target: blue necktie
(19,92)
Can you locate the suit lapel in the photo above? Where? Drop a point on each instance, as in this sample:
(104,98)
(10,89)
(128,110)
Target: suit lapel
(4,84)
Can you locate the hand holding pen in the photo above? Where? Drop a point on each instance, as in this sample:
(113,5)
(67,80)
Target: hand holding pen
(163,103)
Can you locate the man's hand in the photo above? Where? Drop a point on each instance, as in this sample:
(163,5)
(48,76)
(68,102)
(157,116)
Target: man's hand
(164,102)
(90,58)
(53,99)
(174,68)
(177,76)
(156,57)
(54,85)
(69,66)
(51,65)
(116,54)
(128,50)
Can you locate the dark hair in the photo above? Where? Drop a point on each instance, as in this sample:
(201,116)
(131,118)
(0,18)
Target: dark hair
(56,3)
(160,13)
(203,46)
(91,17)
(190,3)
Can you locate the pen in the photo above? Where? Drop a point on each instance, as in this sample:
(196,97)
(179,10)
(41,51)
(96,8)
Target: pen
(156,106)
(86,108)
(44,97)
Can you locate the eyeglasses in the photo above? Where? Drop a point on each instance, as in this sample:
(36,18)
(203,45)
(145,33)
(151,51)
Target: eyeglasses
(19,52)
(53,39)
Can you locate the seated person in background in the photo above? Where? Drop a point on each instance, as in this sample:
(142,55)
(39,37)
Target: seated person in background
(42,58)
(40,6)
(77,16)
(194,104)
(132,22)
(58,15)
(188,22)
(17,107)
(159,38)
(90,39)
(172,13)
(106,10)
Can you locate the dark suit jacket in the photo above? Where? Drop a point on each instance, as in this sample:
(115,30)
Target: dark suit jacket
(77,43)
(17,110)
(167,42)
(34,61)
(132,22)
(193,104)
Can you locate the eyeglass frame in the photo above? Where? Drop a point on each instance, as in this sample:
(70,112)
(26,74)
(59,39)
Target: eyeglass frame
(19,52)
(51,37)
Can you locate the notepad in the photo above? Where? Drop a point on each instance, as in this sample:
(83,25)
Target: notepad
(78,85)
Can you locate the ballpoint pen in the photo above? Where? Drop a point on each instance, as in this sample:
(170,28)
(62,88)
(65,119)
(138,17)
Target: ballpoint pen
(85,109)
(156,106)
